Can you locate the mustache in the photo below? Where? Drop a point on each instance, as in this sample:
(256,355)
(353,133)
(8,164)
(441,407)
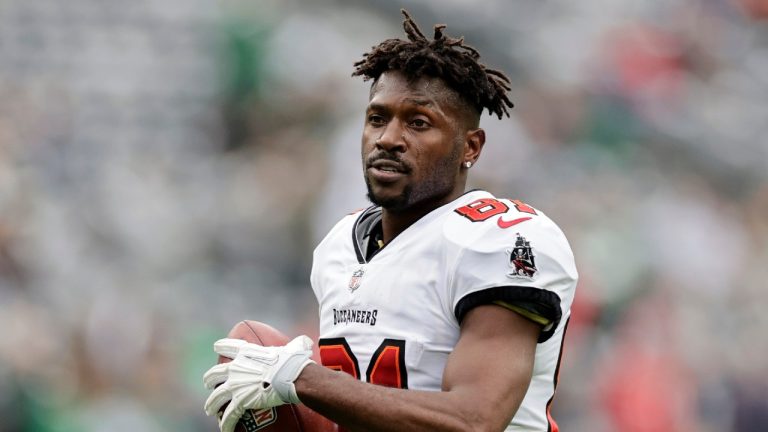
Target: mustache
(388,156)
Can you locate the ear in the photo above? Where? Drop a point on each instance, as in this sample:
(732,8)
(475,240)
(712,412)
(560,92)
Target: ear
(473,145)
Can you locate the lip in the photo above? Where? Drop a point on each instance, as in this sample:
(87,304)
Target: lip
(384,170)
(384,176)
(387,165)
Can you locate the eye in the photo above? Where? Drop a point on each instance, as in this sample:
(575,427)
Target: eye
(419,123)
(376,120)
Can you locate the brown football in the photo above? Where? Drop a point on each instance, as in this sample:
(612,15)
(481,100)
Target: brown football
(285,418)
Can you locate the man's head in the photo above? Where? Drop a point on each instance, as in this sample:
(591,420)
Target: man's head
(422,119)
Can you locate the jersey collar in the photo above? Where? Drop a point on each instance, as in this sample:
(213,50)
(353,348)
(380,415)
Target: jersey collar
(367,228)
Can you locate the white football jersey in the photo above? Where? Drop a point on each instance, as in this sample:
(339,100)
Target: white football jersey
(394,319)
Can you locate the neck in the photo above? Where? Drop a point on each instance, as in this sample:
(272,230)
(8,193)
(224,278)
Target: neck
(394,222)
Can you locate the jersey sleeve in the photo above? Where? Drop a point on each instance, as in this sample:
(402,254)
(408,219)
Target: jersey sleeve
(531,267)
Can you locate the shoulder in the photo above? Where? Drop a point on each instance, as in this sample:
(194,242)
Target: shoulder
(343,229)
(333,249)
(506,250)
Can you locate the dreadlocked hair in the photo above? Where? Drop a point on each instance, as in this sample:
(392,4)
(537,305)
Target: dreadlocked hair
(442,57)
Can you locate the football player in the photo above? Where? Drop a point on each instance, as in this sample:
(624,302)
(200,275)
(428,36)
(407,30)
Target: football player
(440,309)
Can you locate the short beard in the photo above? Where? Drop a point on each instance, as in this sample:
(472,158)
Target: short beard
(395,204)
(435,188)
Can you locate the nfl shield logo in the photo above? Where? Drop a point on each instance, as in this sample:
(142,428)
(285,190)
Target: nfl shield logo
(354,281)
(254,420)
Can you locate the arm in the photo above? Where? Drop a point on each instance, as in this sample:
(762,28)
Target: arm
(484,382)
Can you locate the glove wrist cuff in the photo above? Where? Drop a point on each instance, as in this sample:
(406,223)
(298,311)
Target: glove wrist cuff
(283,382)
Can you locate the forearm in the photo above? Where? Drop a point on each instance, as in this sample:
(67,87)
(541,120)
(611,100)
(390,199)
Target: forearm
(361,406)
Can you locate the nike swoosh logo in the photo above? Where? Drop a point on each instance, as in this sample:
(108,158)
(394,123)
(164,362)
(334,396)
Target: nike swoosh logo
(506,224)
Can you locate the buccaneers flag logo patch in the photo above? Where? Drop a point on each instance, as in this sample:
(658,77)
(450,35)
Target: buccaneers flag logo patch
(522,260)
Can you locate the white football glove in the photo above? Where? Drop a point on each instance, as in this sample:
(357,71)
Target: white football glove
(258,377)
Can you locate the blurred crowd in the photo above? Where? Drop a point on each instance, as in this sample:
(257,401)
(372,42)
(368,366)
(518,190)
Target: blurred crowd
(166,169)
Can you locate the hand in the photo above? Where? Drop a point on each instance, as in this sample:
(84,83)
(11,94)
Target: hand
(258,377)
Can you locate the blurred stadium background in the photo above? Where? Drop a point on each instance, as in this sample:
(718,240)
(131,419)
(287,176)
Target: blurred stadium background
(166,169)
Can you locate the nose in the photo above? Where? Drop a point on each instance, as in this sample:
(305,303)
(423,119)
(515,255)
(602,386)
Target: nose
(392,138)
